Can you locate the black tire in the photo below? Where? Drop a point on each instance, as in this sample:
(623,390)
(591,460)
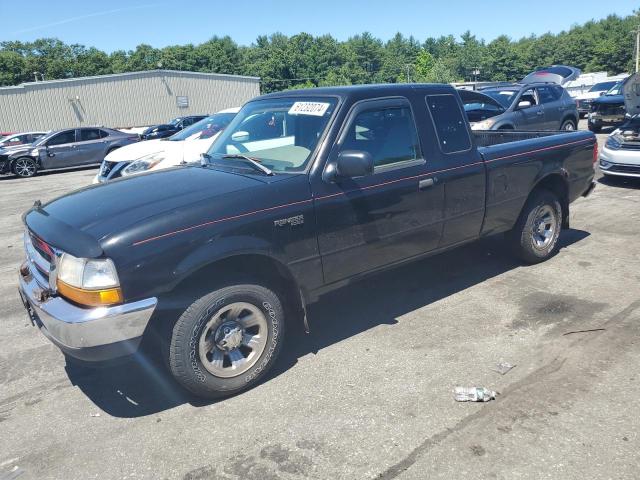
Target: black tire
(526,239)
(24,167)
(594,128)
(568,125)
(203,320)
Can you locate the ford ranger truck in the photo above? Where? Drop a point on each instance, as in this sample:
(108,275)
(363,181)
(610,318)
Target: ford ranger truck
(304,192)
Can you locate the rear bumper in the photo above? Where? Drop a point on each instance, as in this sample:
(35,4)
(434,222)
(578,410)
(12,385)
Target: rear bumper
(89,334)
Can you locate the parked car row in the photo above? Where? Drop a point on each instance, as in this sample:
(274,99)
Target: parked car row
(24,154)
(183,147)
(71,147)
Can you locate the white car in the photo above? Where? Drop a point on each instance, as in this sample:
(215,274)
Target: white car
(620,155)
(185,146)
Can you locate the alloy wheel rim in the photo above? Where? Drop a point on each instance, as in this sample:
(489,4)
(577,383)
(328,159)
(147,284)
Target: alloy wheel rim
(233,340)
(25,168)
(569,126)
(544,227)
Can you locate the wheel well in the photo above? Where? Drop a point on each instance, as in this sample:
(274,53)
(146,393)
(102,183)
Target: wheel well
(242,268)
(570,117)
(556,184)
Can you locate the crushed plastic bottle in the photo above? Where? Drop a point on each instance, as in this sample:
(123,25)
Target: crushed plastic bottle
(474,394)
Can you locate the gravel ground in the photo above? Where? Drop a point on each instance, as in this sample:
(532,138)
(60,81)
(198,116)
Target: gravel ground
(368,394)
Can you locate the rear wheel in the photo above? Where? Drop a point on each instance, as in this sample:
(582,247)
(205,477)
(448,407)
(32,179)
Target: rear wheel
(226,341)
(534,238)
(568,125)
(594,128)
(25,167)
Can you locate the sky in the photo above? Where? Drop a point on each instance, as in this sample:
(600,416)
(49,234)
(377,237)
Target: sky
(123,24)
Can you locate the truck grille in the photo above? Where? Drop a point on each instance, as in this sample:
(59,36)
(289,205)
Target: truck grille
(608,109)
(40,257)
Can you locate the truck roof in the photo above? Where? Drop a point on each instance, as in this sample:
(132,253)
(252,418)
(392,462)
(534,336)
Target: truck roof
(363,90)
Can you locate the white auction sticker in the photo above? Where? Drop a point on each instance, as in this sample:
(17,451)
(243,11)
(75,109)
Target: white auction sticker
(317,109)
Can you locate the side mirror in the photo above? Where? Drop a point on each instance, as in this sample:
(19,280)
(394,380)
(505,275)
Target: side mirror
(354,163)
(524,104)
(602,93)
(240,136)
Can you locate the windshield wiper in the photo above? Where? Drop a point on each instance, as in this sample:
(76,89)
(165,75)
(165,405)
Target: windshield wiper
(252,161)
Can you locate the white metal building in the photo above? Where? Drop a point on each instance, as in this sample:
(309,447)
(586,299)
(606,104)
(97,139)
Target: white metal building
(121,100)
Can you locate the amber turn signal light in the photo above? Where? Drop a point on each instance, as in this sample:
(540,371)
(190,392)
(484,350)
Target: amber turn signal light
(90,298)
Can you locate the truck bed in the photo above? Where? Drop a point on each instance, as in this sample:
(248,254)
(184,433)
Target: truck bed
(487,138)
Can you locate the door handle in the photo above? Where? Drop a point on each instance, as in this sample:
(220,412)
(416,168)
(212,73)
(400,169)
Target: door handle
(426,183)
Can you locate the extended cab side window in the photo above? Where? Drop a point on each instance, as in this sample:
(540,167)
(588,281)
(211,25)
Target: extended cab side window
(450,124)
(65,137)
(388,134)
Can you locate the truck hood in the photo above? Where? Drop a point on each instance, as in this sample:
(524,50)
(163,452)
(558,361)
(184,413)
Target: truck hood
(609,100)
(631,94)
(105,210)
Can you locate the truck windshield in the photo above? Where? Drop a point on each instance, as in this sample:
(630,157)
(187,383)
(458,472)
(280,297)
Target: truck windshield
(205,128)
(280,133)
(602,86)
(615,90)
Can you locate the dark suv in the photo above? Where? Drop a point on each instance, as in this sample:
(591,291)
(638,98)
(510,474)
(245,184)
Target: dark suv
(167,129)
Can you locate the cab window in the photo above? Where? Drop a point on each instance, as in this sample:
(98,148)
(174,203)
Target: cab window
(449,122)
(388,134)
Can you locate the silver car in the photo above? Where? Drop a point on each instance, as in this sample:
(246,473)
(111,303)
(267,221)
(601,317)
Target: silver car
(537,102)
(73,147)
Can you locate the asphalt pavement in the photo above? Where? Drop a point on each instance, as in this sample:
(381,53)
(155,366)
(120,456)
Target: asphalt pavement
(368,393)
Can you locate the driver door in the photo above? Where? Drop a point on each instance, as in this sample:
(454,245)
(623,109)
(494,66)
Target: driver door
(388,216)
(531,117)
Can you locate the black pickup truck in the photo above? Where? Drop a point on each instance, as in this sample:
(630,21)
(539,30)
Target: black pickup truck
(304,192)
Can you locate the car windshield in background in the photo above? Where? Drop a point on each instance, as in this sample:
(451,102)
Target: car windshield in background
(175,121)
(205,128)
(503,97)
(615,90)
(280,133)
(602,86)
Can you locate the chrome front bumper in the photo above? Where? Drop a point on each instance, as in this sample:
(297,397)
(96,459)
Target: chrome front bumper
(76,329)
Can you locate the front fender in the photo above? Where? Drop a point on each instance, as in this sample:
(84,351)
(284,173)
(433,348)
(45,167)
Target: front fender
(219,249)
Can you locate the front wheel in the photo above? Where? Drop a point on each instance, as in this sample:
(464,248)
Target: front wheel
(534,238)
(226,341)
(594,128)
(568,125)
(25,167)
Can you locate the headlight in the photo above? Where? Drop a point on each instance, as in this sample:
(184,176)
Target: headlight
(612,143)
(35,152)
(483,125)
(88,281)
(143,164)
